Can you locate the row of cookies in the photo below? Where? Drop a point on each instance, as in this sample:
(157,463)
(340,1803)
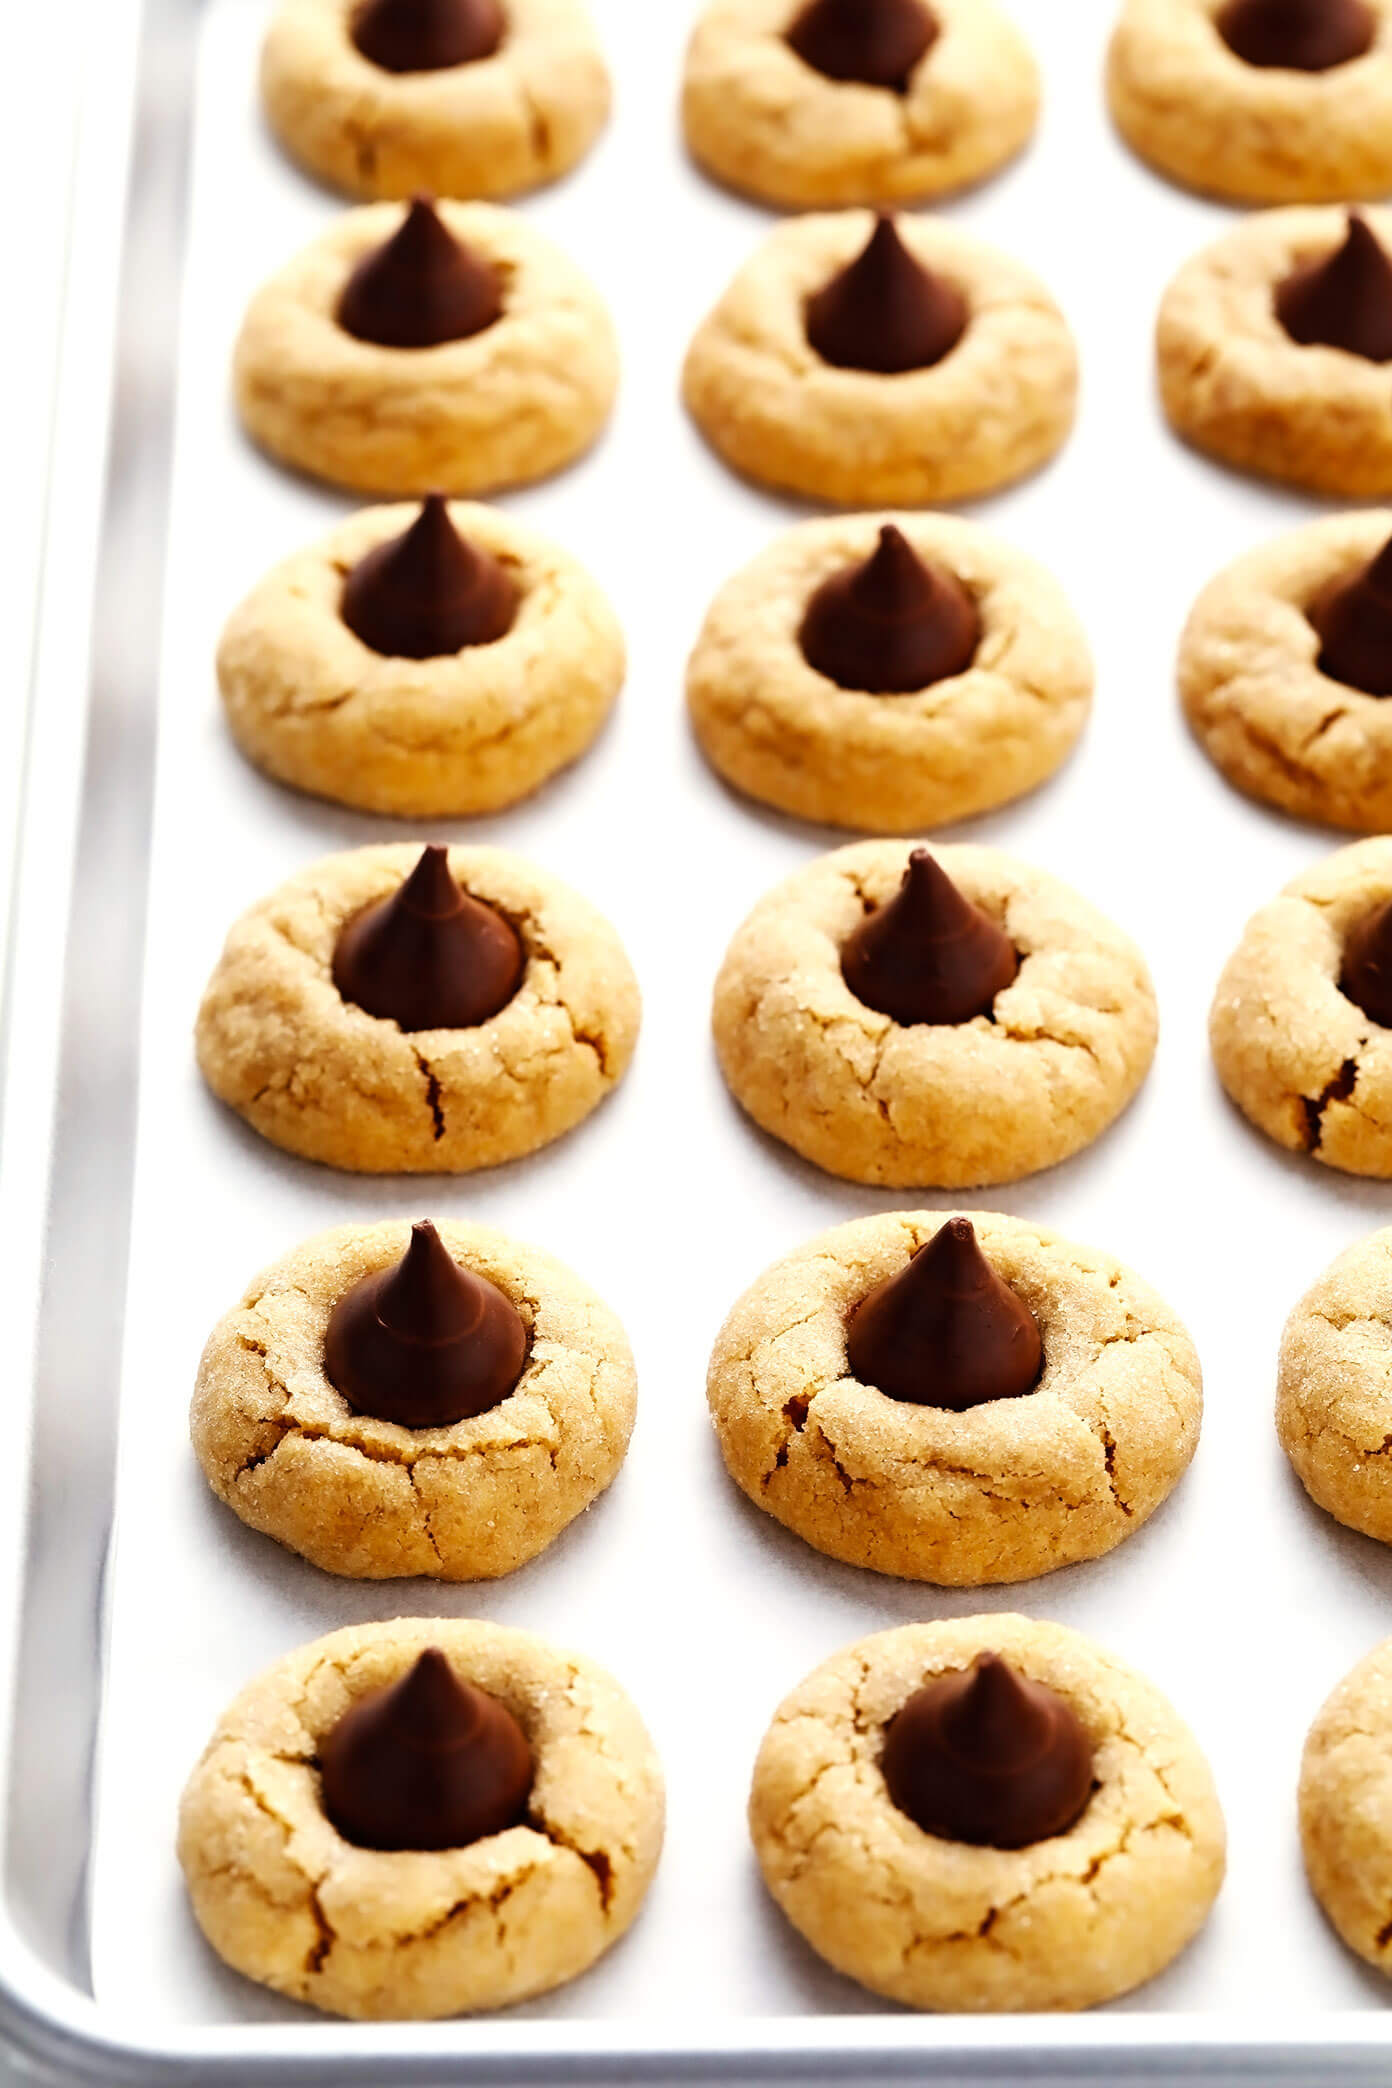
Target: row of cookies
(813,102)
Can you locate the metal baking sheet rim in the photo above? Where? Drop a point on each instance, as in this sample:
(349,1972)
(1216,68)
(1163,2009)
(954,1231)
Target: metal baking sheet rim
(109,484)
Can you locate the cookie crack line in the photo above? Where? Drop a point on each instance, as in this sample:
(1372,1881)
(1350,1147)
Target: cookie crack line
(433,1095)
(1312,1107)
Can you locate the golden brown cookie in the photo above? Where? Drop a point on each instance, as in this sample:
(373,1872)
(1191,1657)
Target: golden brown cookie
(280,1444)
(393,1935)
(1235,384)
(445,737)
(1273,721)
(1303,1061)
(1002,1492)
(761,119)
(1346,1807)
(277,1041)
(509,404)
(995,407)
(950,1106)
(780,730)
(1195,110)
(509,121)
(1061,1924)
(1334,1389)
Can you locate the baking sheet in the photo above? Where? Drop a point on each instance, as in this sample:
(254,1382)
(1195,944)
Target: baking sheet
(1239,1599)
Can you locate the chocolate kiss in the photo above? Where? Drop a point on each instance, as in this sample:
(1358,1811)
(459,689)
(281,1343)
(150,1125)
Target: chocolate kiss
(885,311)
(876,42)
(1366,977)
(1354,619)
(405,36)
(946,1331)
(425,1343)
(1298,35)
(929,955)
(427,592)
(1344,301)
(423,287)
(430,1763)
(986,1757)
(891,624)
(429,957)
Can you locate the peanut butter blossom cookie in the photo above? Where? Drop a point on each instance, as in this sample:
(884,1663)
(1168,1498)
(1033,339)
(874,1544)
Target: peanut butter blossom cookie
(856,101)
(1260,101)
(1334,1391)
(447,349)
(881,361)
(393,1011)
(460,97)
(1285,668)
(942,1020)
(1346,1807)
(421,1819)
(390,1400)
(426,663)
(964,1400)
(987,1815)
(889,674)
(1301,1025)
(1273,348)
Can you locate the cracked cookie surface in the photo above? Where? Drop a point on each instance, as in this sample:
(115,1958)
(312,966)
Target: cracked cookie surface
(1063,1051)
(994,408)
(1334,1388)
(785,734)
(506,406)
(493,127)
(1299,1058)
(1002,1492)
(763,121)
(448,737)
(1346,1807)
(375,1501)
(1253,691)
(1235,384)
(324,1079)
(378,1935)
(1253,134)
(1064,1924)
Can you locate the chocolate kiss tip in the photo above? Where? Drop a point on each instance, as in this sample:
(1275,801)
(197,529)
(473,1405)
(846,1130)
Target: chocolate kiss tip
(428,1298)
(421,288)
(427,594)
(1366,978)
(874,43)
(429,956)
(1297,35)
(891,625)
(1353,619)
(929,955)
(405,36)
(1343,301)
(885,313)
(946,1331)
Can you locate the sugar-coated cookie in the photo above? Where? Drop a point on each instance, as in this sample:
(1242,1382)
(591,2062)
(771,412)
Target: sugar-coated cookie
(762,118)
(1334,1388)
(401,1933)
(1064,1922)
(1346,1807)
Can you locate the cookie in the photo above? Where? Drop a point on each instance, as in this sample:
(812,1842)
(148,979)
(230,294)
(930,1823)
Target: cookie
(1237,385)
(1259,689)
(763,120)
(1056,1057)
(512,402)
(508,121)
(1334,1388)
(450,735)
(388,1935)
(789,735)
(992,408)
(1346,1807)
(323,1078)
(368,1498)
(1063,1923)
(1006,1490)
(1190,106)
(1305,1062)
